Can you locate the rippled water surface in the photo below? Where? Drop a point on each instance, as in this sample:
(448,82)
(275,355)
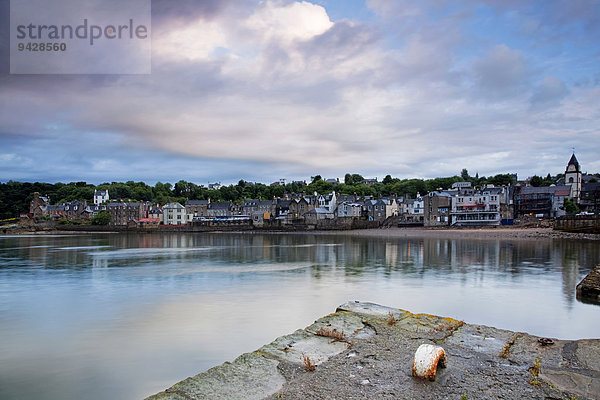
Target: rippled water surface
(125,316)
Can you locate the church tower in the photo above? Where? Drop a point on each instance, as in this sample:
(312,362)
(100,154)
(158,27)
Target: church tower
(573,177)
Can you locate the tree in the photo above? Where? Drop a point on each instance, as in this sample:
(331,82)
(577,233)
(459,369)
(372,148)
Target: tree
(570,207)
(387,180)
(357,179)
(348,179)
(501,179)
(548,180)
(315,178)
(464,174)
(320,186)
(102,218)
(536,181)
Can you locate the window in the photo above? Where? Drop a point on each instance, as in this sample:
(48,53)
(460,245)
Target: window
(571,180)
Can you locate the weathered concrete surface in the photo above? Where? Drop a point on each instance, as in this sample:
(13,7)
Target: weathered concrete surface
(372,359)
(588,290)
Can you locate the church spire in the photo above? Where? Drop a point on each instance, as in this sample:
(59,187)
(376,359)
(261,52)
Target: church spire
(573,161)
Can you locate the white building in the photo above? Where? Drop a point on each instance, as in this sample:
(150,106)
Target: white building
(573,177)
(174,214)
(476,208)
(327,201)
(100,197)
(416,206)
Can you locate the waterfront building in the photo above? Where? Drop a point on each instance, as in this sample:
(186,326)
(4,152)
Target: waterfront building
(219,209)
(123,214)
(174,214)
(475,207)
(349,209)
(543,201)
(196,208)
(436,209)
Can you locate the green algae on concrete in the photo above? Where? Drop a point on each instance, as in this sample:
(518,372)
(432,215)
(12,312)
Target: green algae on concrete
(250,376)
(375,356)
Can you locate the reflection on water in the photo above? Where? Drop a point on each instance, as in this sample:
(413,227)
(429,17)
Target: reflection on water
(124,316)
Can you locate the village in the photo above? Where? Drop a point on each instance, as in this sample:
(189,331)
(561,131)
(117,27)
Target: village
(460,205)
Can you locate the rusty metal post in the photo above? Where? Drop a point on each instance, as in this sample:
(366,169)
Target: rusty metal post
(426,361)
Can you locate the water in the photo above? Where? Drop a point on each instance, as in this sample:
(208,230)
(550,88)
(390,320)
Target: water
(125,316)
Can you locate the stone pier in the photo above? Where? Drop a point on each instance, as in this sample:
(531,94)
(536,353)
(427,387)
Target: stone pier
(365,351)
(588,290)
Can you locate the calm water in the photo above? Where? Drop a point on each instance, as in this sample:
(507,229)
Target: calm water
(125,316)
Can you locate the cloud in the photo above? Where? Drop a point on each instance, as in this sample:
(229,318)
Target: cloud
(500,73)
(549,93)
(262,90)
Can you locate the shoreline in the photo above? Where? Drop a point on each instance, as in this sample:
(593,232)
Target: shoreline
(365,350)
(500,232)
(473,233)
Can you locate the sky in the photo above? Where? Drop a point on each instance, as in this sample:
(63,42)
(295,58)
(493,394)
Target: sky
(262,90)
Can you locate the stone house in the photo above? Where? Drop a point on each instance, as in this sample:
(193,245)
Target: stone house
(219,209)
(92,209)
(282,207)
(122,214)
(349,210)
(380,209)
(38,204)
(249,207)
(299,207)
(259,217)
(317,214)
(75,210)
(436,210)
(196,208)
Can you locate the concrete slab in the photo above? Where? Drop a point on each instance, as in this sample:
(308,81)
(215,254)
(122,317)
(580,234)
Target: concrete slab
(250,376)
(365,351)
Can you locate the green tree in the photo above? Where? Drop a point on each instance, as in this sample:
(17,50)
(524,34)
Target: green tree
(536,181)
(501,179)
(102,218)
(357,179)
(464,174)
(320,186)
(348,179)
(570,207)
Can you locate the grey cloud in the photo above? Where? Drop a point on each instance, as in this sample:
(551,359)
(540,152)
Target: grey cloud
(548,94)
(285,107)
(500,73)
(184,10)
(342,40)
